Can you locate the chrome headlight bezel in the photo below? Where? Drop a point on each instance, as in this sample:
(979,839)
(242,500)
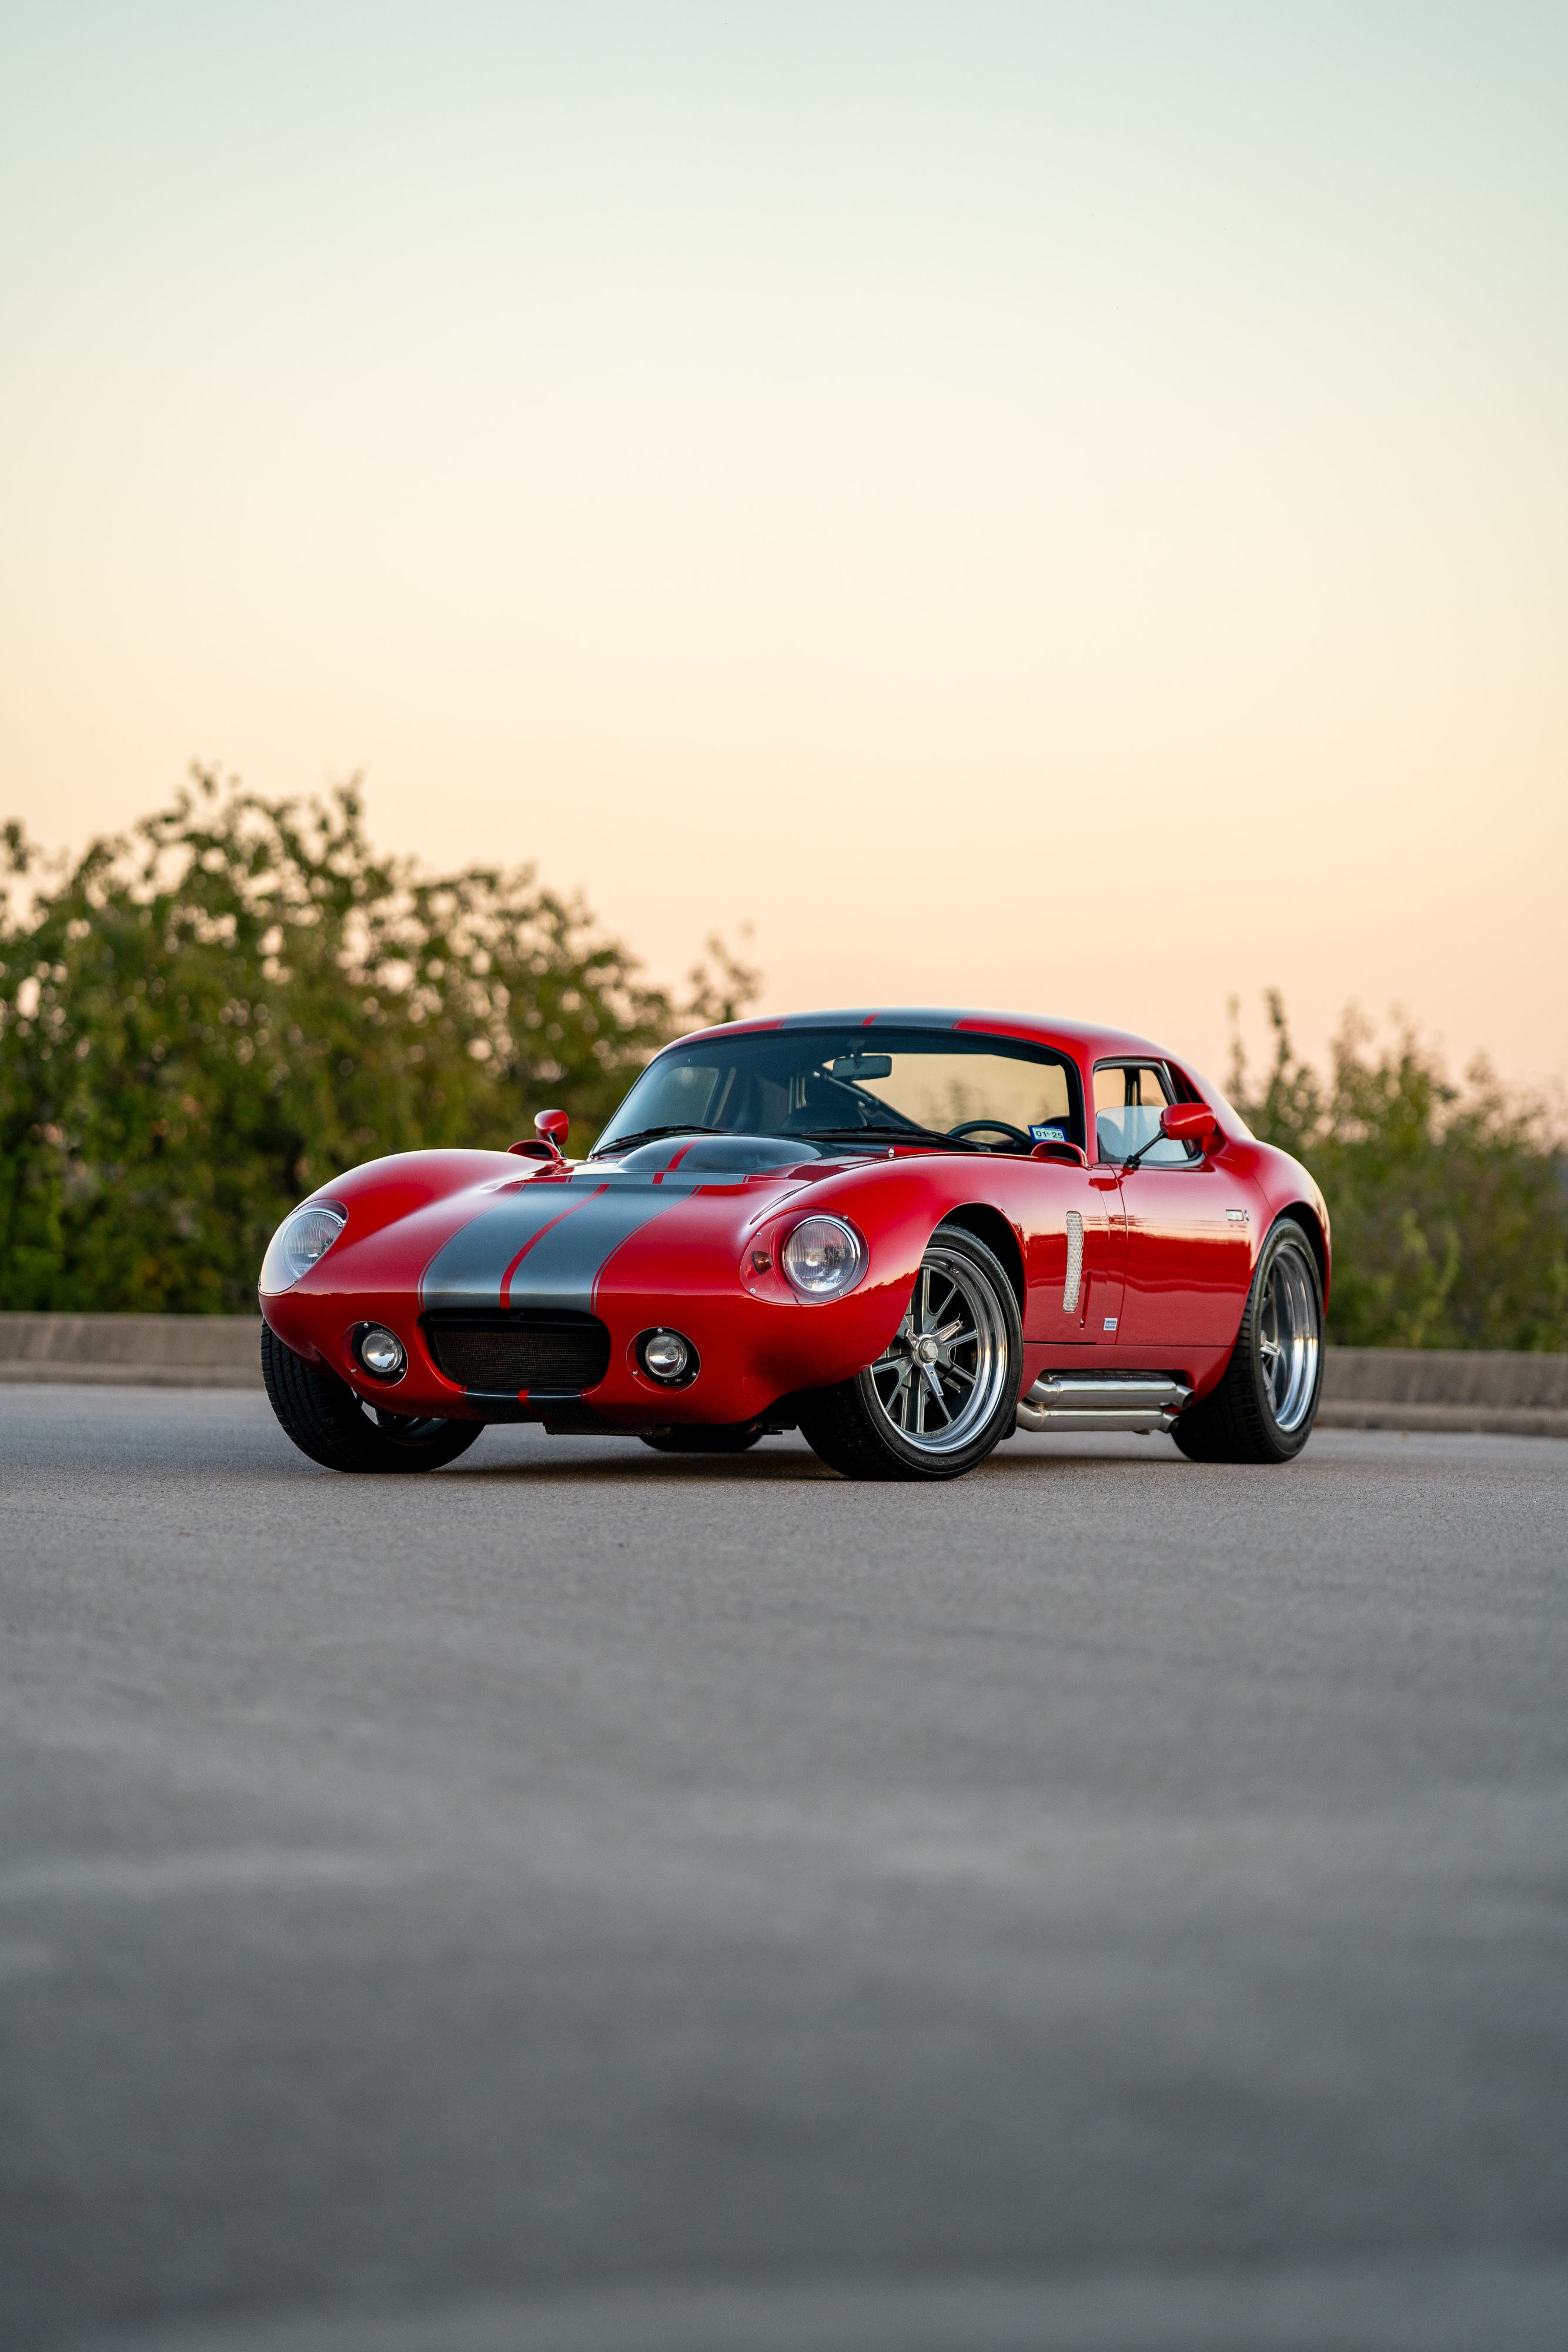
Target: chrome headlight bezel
(819,1289)
(301,1241)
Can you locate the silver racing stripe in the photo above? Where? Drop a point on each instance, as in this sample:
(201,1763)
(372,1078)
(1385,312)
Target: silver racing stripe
(547,1244)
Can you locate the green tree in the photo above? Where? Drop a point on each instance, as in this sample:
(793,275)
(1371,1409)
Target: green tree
(1449,1202)
(206,1017)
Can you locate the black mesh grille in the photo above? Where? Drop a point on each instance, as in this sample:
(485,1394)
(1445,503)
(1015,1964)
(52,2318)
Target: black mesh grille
(504,1352)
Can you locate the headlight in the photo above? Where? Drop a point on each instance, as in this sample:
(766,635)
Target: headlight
(823,1257)
(299,1240)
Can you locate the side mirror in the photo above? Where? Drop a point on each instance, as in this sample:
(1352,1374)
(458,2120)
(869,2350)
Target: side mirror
(1189,1122)
(1071,1155)
(552,1126)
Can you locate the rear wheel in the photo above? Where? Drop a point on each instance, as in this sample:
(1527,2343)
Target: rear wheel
(328,1422)
(1267,1401)
(938,1402)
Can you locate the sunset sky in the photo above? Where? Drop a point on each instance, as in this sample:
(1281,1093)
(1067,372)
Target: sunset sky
(1055,507)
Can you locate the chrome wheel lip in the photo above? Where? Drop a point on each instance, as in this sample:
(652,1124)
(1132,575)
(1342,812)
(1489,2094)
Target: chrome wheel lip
(938,1384)
(1288,1340)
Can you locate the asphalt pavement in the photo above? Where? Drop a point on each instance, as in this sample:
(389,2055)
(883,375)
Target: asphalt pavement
(591,1901)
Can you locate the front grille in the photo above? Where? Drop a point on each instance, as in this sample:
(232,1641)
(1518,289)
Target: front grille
(502,1352)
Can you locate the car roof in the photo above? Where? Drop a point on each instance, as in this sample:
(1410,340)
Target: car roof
(1084,1039)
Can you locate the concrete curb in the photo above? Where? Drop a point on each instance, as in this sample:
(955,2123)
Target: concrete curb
(1488,1376)
(1501,1421)
(128,1376)
(165,1352)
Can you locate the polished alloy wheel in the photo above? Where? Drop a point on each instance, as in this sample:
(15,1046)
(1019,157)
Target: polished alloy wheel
(941,1378)
(1288,1339)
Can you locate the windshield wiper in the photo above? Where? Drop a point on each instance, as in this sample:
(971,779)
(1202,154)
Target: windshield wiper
(654,1135)
(910,1134)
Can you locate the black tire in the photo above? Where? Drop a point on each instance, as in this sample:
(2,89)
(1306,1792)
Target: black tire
(1241,1421)
(721,1439)
(850,1426)
(326,1420)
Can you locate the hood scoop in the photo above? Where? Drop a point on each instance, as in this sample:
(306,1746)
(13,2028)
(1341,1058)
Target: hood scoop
(701,1157)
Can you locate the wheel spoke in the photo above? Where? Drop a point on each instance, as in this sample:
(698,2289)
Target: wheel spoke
(952,1289)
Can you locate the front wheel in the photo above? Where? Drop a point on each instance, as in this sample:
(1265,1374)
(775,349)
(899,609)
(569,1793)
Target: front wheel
(327,1421)
(1267,1401)
(945,1392)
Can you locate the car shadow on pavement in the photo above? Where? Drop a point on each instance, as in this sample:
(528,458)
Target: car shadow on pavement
(617,1464)
(767,1469)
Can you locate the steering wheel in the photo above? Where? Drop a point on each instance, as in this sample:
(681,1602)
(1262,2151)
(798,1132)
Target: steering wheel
(989,1127)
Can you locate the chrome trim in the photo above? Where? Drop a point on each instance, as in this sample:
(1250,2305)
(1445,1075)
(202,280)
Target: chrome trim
(1080,1401)
(1075,1263)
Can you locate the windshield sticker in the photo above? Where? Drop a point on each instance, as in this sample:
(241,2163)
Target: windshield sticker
(1047,1135)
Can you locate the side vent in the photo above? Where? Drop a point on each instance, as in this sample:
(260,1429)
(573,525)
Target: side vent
(1075,1263)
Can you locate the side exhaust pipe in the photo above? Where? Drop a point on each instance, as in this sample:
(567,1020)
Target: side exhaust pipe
(1077,1401)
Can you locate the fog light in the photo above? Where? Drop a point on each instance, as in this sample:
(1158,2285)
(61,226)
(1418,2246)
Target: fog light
(382,1352)
(664,1355)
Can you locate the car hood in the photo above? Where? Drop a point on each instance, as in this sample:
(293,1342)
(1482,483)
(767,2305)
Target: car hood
(545,1241)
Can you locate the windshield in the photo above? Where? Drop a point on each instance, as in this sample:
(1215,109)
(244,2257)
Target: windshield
(840,1085)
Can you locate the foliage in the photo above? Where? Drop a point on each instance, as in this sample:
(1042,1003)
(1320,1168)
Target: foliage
(1449,1203)
(206,1018)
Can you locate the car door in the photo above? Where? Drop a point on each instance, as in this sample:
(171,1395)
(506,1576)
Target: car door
(1075,1255)
(1189,1240)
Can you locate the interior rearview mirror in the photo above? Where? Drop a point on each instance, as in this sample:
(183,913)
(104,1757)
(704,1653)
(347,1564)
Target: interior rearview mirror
(862,1065)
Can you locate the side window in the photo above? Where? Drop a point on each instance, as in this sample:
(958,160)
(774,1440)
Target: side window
(1128,1099)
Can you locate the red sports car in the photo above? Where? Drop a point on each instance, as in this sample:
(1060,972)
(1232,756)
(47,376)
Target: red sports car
(907,1233)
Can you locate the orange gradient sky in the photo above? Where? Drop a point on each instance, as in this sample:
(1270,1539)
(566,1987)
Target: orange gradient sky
(1037,506)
